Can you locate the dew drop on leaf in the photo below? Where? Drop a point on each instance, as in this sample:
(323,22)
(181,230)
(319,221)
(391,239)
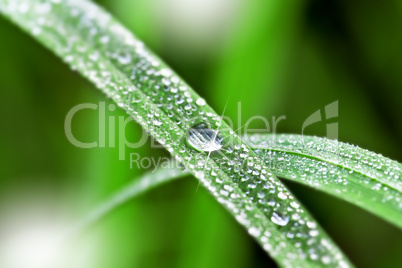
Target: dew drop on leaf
(124,58)
(279,219)
(200,102)
(203,138)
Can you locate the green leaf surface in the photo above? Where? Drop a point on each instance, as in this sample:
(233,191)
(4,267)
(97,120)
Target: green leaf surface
(93,43)
(346,171)
(361,177)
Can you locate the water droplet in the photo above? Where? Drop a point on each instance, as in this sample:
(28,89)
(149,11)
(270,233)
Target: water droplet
(295,204)
(311,224)
(104,39)
(200,102)
(94,56)
(282,195)
(166,72)
(182,167)
(124,58)
(157,122)
(203,138)
(326,259)
(254,231)
(279,219)
(44,8)
(313,232)
(36,31)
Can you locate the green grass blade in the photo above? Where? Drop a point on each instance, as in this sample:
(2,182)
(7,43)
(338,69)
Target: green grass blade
(343,170)
(137,187)
(361,177)
(93,43)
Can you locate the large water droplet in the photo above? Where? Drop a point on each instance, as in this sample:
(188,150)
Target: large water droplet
(279,219)
(203,138)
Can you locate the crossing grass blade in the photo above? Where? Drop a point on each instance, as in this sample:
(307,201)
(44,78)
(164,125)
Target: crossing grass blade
(366,179)
(145,183)
(363,178)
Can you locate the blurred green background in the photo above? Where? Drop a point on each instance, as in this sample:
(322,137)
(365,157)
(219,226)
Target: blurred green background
(275,57)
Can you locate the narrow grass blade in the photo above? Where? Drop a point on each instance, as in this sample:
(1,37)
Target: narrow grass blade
(346,171)
(137,187)
(93,43)
(361,177)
